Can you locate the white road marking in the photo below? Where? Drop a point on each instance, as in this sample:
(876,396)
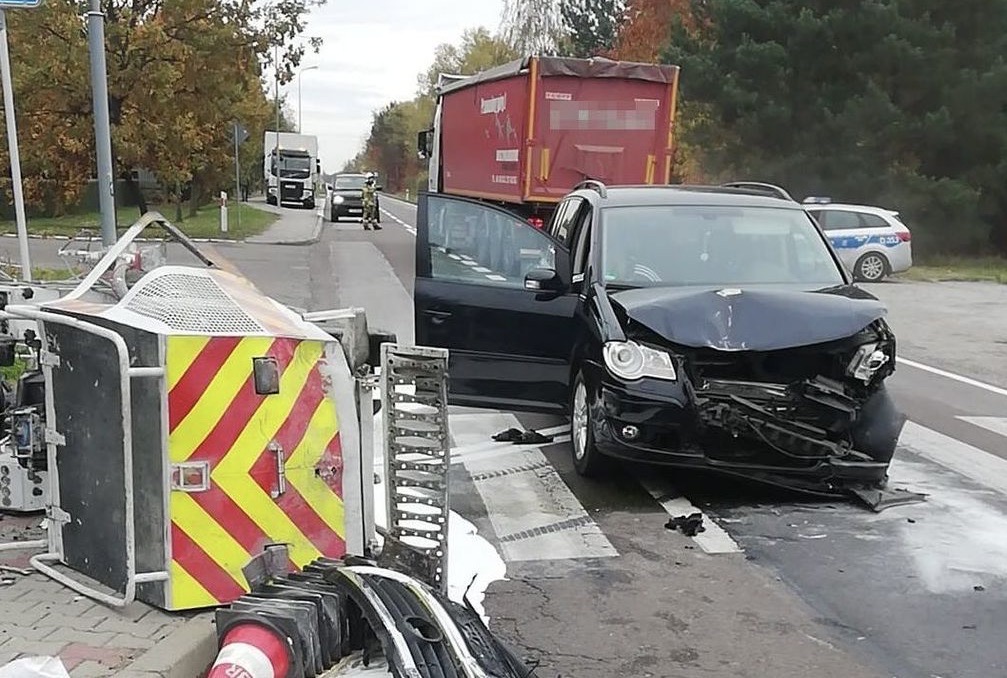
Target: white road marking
(995,424)
(498,278)
(481,269)
(713,540)
(533,512)
(977,465)
(408,227)
(956,377)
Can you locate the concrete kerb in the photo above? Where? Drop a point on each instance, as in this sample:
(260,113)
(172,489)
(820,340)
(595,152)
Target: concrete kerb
(187,652)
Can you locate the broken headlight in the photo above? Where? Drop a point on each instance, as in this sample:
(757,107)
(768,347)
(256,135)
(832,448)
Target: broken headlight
(866,362)
(630,361)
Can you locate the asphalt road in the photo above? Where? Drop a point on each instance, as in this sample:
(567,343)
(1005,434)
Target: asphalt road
(777,586)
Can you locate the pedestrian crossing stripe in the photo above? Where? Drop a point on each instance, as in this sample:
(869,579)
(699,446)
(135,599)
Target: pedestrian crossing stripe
(215,417)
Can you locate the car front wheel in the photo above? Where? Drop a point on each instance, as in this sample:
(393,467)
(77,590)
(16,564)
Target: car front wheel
(587,460)
(871,267)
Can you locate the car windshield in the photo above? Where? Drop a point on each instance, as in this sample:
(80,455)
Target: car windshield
(683,245)
(295,166)
(349,182)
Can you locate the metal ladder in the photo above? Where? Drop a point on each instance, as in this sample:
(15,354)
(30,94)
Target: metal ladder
(414,403)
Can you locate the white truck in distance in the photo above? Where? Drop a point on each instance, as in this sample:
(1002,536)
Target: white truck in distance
(300,168)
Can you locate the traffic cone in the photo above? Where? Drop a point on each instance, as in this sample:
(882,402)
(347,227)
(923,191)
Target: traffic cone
(252,650)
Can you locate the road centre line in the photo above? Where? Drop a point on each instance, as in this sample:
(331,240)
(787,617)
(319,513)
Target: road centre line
(955,377)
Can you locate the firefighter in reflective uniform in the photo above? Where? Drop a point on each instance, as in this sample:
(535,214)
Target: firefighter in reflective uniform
(370,201)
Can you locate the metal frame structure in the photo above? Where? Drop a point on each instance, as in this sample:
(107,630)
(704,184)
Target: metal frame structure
(417,464)
(54,514)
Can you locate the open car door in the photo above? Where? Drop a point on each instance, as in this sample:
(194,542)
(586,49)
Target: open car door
(509,345)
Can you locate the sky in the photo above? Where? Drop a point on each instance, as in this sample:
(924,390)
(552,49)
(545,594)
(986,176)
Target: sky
(372,53)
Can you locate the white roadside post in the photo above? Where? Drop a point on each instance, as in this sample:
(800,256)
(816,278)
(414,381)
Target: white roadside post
(407,195)
(223,211)
(11,121)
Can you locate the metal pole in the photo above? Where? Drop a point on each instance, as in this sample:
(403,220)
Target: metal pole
(15,157)
(102,132)
(237,175)
(276,156)
(306,68)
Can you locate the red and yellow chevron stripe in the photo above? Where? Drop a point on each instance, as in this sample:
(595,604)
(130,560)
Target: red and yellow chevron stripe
(215,416)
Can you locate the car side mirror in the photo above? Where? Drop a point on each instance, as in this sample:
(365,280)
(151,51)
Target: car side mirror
(543,280)
(379,187)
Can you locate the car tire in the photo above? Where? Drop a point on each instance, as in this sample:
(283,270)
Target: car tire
(587,460)
(871,267)
(333,217)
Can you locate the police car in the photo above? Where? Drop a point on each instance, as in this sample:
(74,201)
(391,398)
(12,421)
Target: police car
(871,241)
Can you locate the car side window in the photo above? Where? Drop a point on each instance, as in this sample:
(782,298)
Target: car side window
(836,220)
(566,219)
(557,220)
(580,250)
(873,221)
(478,244)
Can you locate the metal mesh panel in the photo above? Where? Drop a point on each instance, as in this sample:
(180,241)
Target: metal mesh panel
(190,302)
(417,450)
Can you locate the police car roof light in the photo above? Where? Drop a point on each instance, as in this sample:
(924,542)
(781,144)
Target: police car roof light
(817,200)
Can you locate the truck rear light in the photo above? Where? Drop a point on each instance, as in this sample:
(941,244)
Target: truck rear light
(537,222)
(905,236)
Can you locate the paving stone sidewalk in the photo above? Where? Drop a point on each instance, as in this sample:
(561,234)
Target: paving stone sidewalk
(40,617)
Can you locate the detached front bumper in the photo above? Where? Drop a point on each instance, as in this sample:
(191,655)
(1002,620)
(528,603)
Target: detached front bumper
(773,436)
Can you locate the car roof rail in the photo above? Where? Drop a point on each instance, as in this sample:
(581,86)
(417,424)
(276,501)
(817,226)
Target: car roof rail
(593,184)
(771,189)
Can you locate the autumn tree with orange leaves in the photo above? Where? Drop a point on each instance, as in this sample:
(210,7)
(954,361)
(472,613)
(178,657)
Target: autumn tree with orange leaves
(179,73)
(646,28)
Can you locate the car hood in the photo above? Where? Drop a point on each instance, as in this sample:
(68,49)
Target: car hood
(750,319)
(347,191)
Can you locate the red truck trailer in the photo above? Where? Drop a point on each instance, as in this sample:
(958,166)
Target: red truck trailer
(525,133)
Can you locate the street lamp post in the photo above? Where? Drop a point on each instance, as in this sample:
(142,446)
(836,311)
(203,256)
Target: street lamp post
(306,68)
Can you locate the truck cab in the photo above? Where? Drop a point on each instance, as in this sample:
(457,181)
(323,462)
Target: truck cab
(295,156)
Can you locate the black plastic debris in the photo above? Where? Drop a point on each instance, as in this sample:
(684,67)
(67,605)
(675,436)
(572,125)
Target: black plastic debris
(518,437)
(333,609)
(689,525)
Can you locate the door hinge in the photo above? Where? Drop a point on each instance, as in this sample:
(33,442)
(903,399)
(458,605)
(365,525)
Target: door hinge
(54,437)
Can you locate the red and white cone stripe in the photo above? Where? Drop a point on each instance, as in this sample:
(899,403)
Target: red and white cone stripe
(252,651)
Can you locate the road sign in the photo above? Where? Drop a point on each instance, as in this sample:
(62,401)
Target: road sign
(15,4)
(239,132)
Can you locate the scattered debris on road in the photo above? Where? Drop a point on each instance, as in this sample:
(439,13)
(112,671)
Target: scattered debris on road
(518,437)
(689,525)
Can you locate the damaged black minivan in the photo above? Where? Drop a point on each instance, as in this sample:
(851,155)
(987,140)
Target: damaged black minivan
(705,327)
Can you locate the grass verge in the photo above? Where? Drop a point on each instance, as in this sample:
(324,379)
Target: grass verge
(205,224)
(41,274)
(966,269)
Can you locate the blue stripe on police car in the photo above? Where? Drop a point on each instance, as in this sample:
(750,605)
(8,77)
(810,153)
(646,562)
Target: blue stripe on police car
(844,242)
